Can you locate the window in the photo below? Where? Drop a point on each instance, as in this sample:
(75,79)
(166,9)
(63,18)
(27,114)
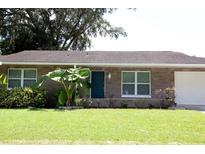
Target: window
(136,84)
(21,77)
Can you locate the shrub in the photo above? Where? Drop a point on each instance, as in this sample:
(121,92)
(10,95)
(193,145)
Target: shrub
(167,97)
(83,102)
(39,98)
(24,97)
(56,98)
(52,98)
(124,105)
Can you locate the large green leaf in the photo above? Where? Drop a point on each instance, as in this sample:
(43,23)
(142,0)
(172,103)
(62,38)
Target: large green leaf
(56,75)
(62,98)
(3,80)
(72,80)
(84,72)
(1,76)
(3,86)
(39,82)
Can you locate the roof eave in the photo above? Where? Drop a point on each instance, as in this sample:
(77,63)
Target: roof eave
(110,64)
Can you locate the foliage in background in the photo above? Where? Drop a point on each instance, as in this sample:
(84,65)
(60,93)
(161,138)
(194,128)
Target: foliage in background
(53,28)
(72,79)
(24,97)
(3,87)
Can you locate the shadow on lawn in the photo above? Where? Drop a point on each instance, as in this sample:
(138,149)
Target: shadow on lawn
(54,109)
(36,109)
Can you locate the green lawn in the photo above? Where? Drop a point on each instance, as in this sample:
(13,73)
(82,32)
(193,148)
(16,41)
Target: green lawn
(101,126)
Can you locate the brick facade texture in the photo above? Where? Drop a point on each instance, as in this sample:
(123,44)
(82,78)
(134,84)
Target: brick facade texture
(161,78)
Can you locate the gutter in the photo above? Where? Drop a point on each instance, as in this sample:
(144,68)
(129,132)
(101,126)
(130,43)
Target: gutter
(143,65)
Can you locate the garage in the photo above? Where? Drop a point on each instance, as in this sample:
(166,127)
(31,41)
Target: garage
(190,88)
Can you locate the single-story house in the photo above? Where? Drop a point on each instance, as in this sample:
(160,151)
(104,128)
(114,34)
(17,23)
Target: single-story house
(117,77)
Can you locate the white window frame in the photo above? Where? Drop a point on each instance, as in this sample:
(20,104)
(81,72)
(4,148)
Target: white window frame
(136,83)
(22,75)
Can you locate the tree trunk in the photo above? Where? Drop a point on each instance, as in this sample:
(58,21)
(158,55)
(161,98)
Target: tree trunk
(69,101)
(74,98)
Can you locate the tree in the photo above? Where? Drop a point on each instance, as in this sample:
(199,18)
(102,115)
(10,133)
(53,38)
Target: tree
(72,80)
(53,29)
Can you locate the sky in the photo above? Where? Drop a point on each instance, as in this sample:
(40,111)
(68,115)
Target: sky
(152,29)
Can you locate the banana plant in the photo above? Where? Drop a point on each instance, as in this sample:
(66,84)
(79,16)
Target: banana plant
(3,85)
(72,79)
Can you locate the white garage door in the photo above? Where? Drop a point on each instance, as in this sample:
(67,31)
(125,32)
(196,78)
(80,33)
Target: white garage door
(190,88)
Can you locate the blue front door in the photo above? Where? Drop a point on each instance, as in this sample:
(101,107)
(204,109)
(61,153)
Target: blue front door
(97,84)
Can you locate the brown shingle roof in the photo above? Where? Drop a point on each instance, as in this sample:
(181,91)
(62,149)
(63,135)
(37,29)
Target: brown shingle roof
(121,57)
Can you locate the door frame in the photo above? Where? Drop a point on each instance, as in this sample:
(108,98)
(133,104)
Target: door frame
(104,81)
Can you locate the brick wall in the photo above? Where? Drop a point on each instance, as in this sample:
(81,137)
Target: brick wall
(161,78)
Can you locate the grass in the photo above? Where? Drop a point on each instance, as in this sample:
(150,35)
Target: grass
(101,126)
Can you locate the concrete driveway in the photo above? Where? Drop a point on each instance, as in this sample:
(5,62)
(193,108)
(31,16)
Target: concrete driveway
(192,107)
